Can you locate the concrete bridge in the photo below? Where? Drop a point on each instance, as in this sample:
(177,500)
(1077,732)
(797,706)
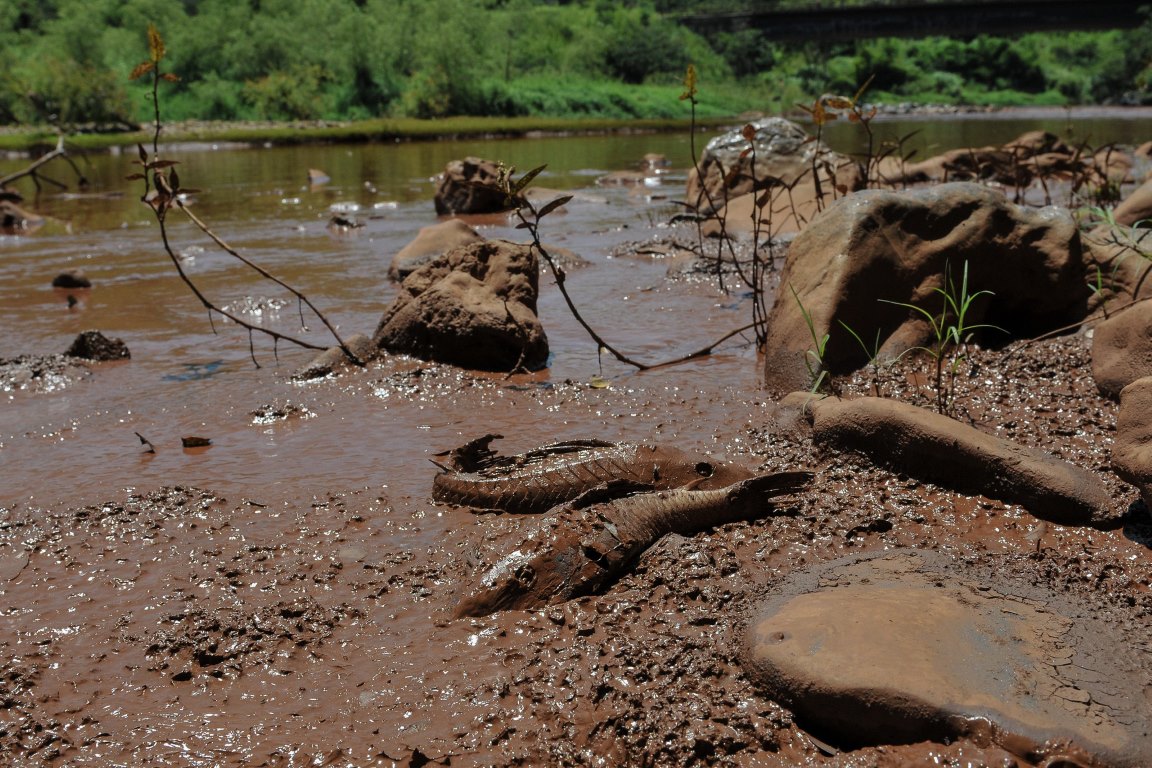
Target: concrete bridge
(829,20)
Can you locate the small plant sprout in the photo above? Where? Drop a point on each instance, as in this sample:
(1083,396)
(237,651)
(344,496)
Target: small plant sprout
(814,358)
(826,109)
(871,352)
(951,333)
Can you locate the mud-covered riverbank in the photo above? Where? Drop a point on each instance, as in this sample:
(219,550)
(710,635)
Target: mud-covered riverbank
(176,627)
(285,595)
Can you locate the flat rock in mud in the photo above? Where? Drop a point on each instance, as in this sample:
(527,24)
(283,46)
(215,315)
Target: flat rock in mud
(907,646)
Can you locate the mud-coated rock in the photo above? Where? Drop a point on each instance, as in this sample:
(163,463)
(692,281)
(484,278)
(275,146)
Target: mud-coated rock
(429,243)
(470,185)
(71,280)
(1116,268)
(942,450)
(1137,207)
(1132,451)
(14,219)
(335,359)
(1122,349)
(93,345)
(904,647)
(1016,163)
(474,306)
(875,247)
(784,151)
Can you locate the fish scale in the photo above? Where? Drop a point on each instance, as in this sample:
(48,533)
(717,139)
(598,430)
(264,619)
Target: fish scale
(539,480)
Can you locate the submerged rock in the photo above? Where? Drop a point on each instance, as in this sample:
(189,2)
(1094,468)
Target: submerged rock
(14,220)
(71,280)
(908,646)
(470,185)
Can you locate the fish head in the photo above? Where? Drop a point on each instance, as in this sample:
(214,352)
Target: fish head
(674,468)
(523,581)
(502,587)
(764,488)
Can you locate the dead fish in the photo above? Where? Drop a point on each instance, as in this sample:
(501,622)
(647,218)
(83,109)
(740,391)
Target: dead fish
(581,548)
(538,480)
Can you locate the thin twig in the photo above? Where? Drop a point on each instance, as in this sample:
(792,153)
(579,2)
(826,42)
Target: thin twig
(269,276)
(532,225)
(162,191)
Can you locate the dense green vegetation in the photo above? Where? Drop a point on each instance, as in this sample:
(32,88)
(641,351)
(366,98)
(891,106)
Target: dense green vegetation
(68,61)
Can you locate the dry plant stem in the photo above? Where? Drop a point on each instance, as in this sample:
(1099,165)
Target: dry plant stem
(705,351)
(695,204)
(40,162)
(223,313)
(168,195)
(560,277)
(300,297)
(620,356)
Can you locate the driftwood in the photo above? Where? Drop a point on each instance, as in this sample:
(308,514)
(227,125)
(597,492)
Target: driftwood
(33,169)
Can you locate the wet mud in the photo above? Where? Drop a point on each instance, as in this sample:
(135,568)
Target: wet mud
(284,596)
(177,627)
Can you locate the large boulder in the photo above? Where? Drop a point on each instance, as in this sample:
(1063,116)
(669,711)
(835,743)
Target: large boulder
(474,306)
(784,152)
(875,247)
(432,241)
(1122,349)
(1137,207)
(470,185)
(1132,451)
(780,210)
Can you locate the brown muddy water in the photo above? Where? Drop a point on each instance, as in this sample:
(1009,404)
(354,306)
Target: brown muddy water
(283,596)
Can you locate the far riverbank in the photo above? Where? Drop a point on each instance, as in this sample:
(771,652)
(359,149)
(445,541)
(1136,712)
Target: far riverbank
(35,139)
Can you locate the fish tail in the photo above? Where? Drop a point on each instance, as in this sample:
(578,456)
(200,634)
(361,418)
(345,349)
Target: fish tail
(774,484)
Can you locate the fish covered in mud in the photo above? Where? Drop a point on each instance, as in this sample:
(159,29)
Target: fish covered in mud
(534,482)
(582,547)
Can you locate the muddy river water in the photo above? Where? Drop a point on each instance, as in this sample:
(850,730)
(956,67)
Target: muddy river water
(184,379)
(282,596)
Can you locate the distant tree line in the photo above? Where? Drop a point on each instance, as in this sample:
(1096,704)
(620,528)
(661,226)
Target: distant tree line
(67,61)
